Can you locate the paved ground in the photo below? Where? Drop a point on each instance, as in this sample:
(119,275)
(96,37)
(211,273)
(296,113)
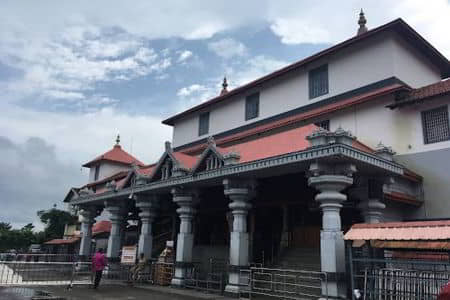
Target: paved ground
(113,292)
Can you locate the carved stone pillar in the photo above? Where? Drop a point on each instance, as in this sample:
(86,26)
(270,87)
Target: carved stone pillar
(148,206)
(86,217)
(116,212)
(285,230)
(330,180)
(371,206)
(185,240)
(239,193)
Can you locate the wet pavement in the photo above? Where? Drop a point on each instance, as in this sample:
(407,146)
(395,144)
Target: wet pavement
(110,292)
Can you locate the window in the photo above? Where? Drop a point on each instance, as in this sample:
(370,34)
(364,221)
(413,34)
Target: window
(252,106)
(203,123)
(318,82)
(97,171)
(435,125)
(325,124)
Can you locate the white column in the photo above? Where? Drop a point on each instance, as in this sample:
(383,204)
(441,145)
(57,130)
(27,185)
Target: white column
(116,216)
(148,206)
(185,240)
(86,217)
(239,194)
(332,247)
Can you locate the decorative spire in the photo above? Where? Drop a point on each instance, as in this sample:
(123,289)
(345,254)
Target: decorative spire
(224,86)
(362,23)
(118,140)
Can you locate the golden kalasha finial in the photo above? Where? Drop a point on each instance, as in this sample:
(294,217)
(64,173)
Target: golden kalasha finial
(224,86)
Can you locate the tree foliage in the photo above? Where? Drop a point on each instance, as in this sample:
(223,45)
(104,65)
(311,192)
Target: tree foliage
(21,239)
(55,220)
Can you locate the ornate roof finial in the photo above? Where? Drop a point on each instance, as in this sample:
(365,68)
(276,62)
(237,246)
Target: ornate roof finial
(168,146)
(224,86)
(118,140)
(211,140)
(362,23)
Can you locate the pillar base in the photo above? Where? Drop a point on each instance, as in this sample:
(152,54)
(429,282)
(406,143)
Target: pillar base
(233,291)
(177,282)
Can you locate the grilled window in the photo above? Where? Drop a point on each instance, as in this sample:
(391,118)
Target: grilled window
(97,172)
(252,106)
(203,123)
(213,162)
(318,82)
(435,125)
(325,124)
(166,170)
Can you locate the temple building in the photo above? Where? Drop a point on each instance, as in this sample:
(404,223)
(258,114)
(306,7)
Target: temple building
(358,132)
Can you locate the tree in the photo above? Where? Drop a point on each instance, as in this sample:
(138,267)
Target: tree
(5,227)
(55,220)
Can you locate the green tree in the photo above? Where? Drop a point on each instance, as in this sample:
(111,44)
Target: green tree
(4,227)
(55,220)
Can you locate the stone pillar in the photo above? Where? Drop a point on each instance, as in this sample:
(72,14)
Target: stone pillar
(239,193)
(330,180)
(372,210)
(86,217)
(148,206)
(185,240)
(371,207)
(116,212)
(285,230)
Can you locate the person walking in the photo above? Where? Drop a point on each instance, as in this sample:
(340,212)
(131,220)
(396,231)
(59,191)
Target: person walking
(98,264)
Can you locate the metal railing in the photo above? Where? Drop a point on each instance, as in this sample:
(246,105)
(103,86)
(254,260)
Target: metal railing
(397,279)
(283,283)
(32,257)
(211,280)
(19,273)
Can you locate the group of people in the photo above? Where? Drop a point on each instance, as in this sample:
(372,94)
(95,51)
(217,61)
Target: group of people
(99,263)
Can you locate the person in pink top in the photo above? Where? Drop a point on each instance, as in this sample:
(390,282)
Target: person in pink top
(98,264)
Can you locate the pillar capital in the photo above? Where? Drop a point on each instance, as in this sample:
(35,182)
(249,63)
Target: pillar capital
(372,210)
(87,214)
(148,206)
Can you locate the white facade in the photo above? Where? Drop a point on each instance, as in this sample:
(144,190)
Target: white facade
(373,60)
(106,169)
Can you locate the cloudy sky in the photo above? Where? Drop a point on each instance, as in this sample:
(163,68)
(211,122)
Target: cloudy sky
(75,73)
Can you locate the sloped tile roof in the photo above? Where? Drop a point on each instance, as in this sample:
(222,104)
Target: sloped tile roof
(440,88)
(116,154)
(146,170)
(188,161)
(398,231)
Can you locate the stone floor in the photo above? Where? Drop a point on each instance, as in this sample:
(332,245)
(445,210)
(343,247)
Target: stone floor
(112,292)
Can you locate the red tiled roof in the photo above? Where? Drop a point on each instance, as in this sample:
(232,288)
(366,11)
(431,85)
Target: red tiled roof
(117,176)
(116,154)
(188,161)
(395,231)
(402,197)
(358,99)
(146,170)
(288,141)
(440,88)
(398,25)
(101,226)
(62,241)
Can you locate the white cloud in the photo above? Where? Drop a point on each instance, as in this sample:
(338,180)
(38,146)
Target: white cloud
(79,137)
(184,55)
(295,31)
(228,48)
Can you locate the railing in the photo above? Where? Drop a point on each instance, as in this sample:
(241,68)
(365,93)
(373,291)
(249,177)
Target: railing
(394,279)
(283,283)
(211,280)
(19,273)
(31,257)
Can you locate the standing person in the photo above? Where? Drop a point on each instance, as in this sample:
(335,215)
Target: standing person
(98,264)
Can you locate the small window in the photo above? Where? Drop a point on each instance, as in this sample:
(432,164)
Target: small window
(435,125)
(203,123)
(252,106)
(318,82)
(325,124)
(96,173)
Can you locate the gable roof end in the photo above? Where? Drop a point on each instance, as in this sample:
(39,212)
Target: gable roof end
(399,26)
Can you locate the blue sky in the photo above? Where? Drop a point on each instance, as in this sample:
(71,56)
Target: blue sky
(75,73)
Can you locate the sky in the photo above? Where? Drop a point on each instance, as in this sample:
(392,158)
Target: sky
(74,74)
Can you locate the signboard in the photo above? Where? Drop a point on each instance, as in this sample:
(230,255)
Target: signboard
(128,255)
